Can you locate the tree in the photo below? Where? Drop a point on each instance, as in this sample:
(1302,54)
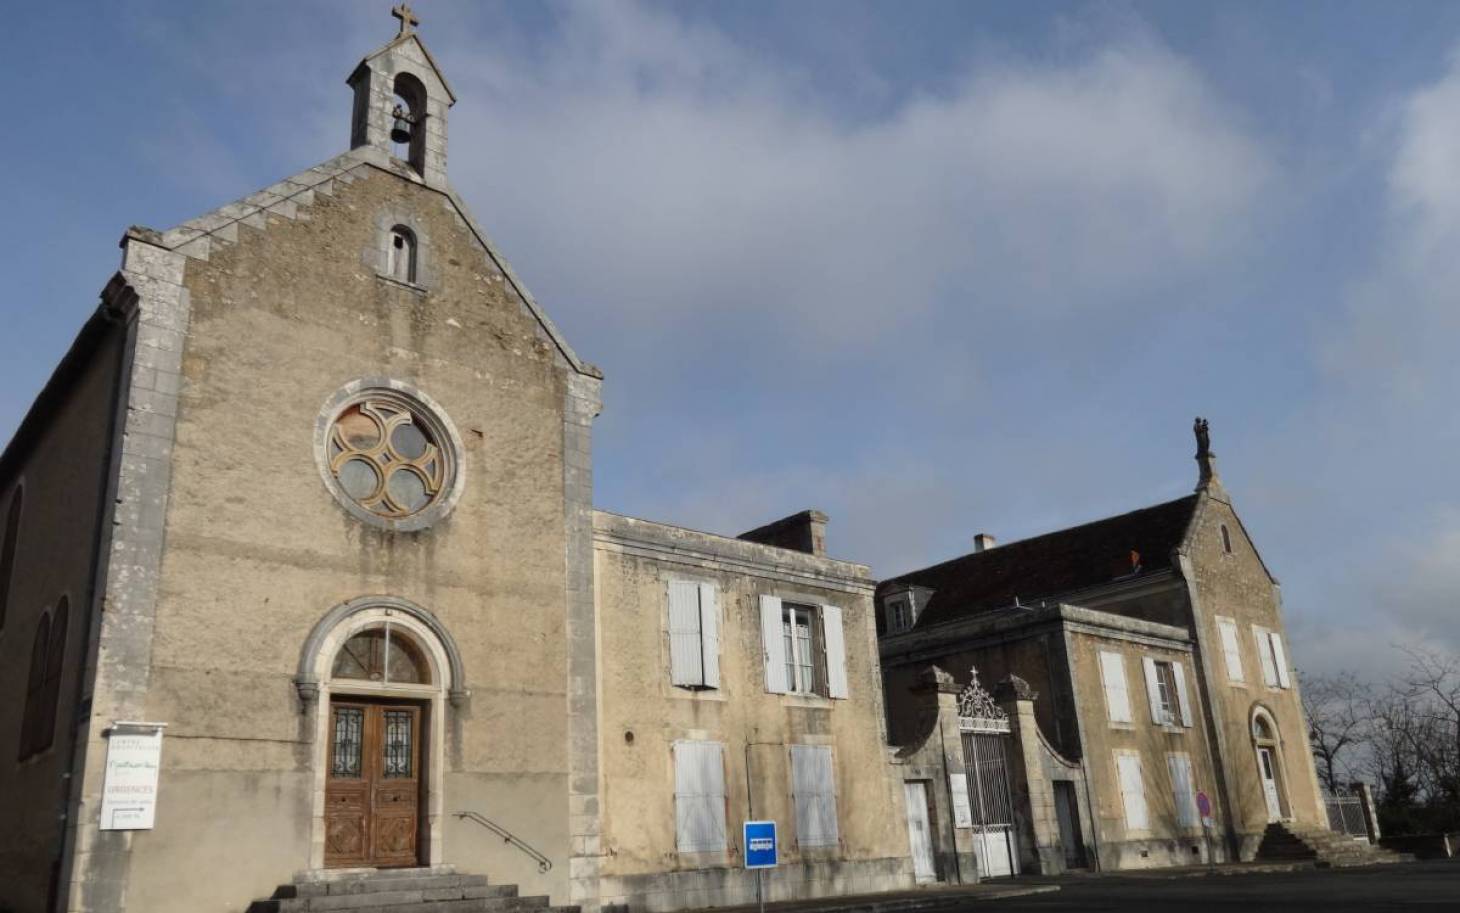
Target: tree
(1337,717)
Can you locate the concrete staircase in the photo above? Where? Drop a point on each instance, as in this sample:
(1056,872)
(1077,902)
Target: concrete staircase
(400,891)
(1287,842)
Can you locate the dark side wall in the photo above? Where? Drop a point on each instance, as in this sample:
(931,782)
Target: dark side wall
(58,463)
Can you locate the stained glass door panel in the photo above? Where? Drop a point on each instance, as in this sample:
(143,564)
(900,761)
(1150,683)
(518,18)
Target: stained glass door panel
(372,792)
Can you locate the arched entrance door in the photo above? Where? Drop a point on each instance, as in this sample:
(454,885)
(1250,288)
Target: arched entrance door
(380,675)
(1268,754)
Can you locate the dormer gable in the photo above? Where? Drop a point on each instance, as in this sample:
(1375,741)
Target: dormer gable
(401,102)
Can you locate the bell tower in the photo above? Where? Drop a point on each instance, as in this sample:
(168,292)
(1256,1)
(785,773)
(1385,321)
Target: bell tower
(401,100)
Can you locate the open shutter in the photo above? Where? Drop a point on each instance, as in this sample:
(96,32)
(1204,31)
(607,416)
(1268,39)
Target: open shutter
(710,634)
(774,646)
(1231,650)
(836,651)
(813,784)
(1264,653)
(686,663)
(1280,659)
(1112,675)
(1182,704)
(1153,690)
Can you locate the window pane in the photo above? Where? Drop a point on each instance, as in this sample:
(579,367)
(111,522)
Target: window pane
(406,664)
(408,441)
(358,430)
(359,479)
(398,739)
(408,490)
(360,657)
(349,723)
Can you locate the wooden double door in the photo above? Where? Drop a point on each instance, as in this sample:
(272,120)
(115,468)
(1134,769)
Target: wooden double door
(373,789)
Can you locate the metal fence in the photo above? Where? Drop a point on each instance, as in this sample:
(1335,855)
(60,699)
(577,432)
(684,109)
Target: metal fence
(1346,814)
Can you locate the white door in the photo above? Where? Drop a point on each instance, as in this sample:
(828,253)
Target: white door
(1269,784)
(919,830)
(995,849)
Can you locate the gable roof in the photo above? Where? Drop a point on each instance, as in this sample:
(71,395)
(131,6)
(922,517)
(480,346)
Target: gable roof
(1054,563)
(425,52)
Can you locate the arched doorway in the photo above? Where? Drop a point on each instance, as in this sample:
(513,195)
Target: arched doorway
(1267,751)
(379,675)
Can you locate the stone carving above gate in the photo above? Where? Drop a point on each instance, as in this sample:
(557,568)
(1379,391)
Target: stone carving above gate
(977,711)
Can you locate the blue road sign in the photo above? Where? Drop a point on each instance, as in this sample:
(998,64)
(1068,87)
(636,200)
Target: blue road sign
(761,850)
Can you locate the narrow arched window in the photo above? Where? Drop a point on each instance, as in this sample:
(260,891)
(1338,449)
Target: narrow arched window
(401,255)
(1226,540)
(35,687)
(408,129)
(8,538)
(51,686)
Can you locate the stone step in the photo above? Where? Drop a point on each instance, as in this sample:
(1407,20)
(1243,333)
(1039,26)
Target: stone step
(367,885)
(408,902)
(496,897)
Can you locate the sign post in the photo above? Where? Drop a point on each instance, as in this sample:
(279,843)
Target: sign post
(761,852)
(129,789)
(1204,808)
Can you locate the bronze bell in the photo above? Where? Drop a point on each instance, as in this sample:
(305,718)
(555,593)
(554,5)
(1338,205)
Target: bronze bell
(400,131)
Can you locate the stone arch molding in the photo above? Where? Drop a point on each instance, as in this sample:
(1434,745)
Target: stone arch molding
(319,647)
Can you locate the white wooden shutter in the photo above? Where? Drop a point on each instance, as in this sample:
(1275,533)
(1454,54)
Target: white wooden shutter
(1182,704)
(962,811)
(686,650)
(771,640)
(1153,690)
(1264,653)
(1280,659)
(1182,793)
(1117,700)
(834,642)
(1132,791)
(699,797)
(1231,650)
(813,785)
(710,634)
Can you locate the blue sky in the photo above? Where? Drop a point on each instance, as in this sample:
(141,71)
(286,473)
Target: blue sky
(934,268)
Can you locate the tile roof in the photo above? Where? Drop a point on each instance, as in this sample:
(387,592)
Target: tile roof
(1054,563)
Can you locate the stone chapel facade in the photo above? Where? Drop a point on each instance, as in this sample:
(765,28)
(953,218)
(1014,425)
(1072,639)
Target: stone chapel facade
(308,504)
(311,497)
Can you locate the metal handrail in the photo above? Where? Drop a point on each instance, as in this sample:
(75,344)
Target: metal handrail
(543,863)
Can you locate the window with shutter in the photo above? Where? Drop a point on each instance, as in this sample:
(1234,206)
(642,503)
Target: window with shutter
(1132,790)
(1112,676)
(1182,792)
(1232,652)
(699,797)
(1264,654)
(1183,704)
(772,641)
(813,785)
(834,642)
(1279,660)
(694,635)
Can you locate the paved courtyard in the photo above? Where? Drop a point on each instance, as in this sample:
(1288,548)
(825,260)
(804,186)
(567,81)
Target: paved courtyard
(1429,885)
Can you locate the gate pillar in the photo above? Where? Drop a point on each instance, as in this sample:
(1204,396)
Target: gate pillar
(1032,790)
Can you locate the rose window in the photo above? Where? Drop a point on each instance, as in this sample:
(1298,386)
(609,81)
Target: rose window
(386,459)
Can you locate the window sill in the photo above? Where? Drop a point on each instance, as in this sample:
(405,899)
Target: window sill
(801,699)
(1115,724)
(408,286)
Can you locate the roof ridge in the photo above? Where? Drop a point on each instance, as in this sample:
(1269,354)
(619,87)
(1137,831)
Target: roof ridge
(1040,536)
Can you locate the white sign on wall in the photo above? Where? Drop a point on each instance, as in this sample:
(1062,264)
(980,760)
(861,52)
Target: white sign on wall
(962,813)
(129,791)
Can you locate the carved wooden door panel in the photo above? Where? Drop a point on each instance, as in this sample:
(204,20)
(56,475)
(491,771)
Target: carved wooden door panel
(372,794)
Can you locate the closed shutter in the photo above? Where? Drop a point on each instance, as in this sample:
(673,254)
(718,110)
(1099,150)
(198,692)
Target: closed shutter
(814,787)
(699,797)
(1264,653)
(1132,791)
(1178,674)
(1230,649)
(686,648)
(836,651)
(1182,793)
(1153,691)
(958,790)
(1112,675)
(710,634)
(1280,659)
(772,643)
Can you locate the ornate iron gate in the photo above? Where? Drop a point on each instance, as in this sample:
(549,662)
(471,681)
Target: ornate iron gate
(986,737)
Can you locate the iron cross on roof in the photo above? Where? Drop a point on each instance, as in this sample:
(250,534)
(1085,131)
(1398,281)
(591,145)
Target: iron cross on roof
(407,16)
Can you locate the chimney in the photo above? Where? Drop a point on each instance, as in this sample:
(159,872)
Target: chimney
(802,532)
(983,542)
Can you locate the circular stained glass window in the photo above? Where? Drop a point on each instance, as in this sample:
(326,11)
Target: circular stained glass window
(389,457)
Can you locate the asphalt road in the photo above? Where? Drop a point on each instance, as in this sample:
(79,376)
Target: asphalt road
(1424,886)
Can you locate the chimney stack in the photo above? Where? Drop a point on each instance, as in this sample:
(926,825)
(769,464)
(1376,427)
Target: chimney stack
(983,542)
